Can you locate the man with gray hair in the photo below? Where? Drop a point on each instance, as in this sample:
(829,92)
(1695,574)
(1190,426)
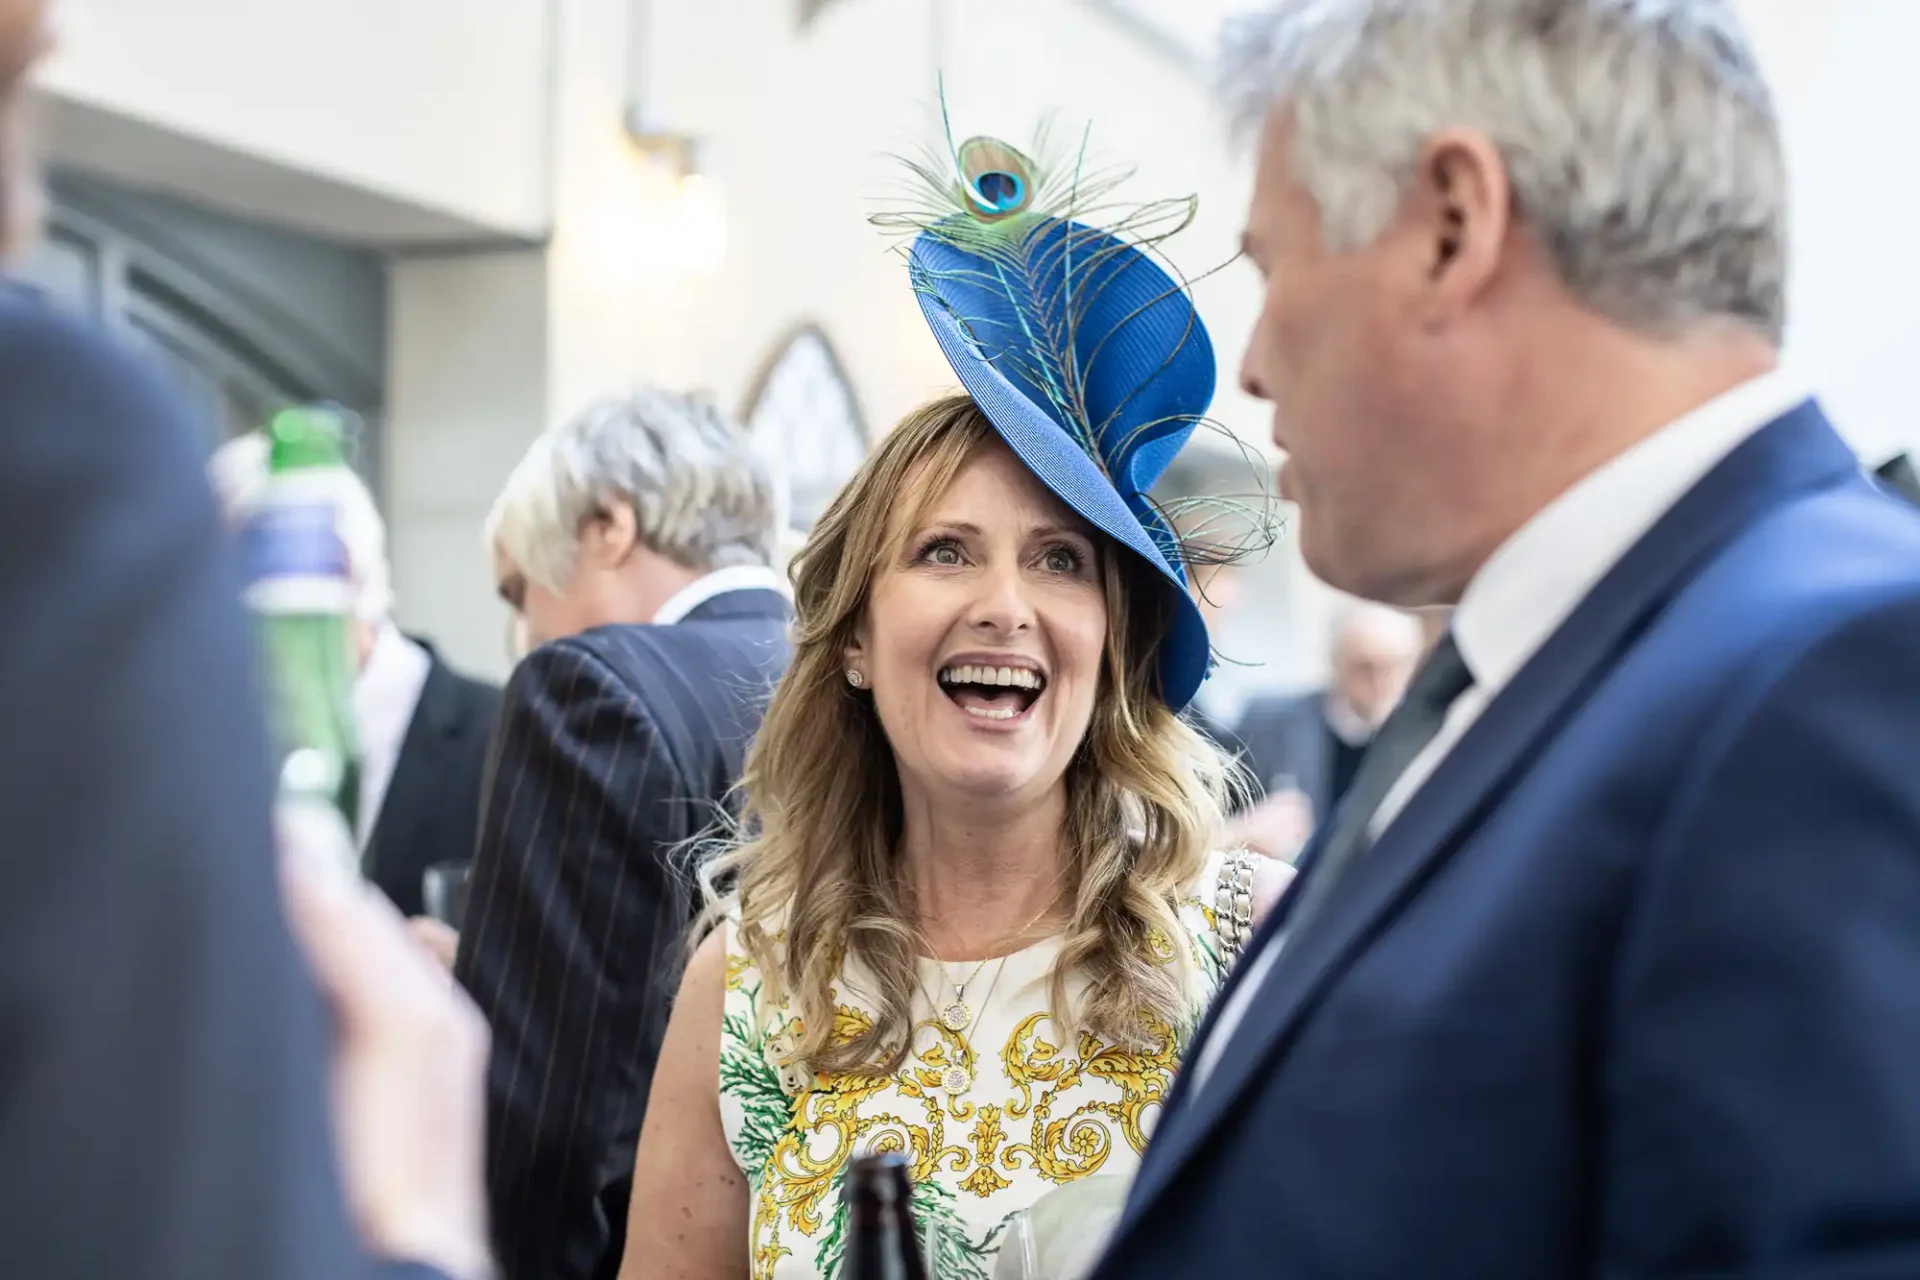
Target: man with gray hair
(634,543)
(1609,962)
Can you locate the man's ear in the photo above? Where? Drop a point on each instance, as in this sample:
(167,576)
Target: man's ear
(1463,204)
(611,536)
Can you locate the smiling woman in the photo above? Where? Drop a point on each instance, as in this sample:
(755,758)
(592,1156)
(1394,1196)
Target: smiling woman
(974,829)
(974,904)
(981,640)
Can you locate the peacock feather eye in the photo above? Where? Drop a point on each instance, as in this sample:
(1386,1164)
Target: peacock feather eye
(1001,192)
(998,178)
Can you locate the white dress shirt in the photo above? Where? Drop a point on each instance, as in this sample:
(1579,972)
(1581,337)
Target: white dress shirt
(385,697)
(1529,586)
(744,577)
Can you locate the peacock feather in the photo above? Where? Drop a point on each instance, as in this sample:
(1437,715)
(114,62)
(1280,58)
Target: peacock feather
(1063,288)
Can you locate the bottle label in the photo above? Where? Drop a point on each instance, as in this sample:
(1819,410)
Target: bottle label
(294,560)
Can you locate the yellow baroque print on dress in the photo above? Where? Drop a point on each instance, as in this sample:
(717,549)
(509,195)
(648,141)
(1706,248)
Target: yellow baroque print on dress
(800,1182)
(1040,1111)
(832,1120)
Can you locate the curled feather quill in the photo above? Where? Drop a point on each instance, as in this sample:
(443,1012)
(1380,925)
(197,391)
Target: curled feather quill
(1063,288)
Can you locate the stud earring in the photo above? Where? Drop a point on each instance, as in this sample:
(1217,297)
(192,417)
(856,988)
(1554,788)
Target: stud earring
(855,679)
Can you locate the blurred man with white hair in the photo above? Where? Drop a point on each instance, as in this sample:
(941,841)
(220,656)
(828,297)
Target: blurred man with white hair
(635,544)
(1609,962)
(1304,749)
(424,727)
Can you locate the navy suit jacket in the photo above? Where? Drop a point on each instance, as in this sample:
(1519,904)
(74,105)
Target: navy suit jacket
(163,1053)
(614,749)
(1286,735)
(1631,987)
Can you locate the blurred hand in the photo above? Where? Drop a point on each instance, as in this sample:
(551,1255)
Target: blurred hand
(437,937)
(1278,826)
(409,1073)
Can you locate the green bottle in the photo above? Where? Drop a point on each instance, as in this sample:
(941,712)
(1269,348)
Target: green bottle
(300,591)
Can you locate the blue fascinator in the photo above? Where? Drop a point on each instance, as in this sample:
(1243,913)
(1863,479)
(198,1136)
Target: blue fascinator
(1075,341)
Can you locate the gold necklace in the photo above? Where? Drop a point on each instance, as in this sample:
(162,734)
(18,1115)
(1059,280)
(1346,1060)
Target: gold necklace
(957,1016)
(958,1078)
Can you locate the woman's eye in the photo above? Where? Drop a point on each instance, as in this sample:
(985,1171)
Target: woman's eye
(1063,560)
(941,553)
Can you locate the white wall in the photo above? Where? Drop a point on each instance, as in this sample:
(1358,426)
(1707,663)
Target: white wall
(800,126)
(433,106)
(1842,72)
(466,390)
(489,349)
(613,299)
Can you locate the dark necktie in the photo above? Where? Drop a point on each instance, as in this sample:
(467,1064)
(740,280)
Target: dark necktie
(1442,678)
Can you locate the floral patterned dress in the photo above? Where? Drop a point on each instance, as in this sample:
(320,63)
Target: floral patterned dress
(1030,1114)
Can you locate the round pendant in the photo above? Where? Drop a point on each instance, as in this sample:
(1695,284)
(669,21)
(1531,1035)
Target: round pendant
(957,1016)
(957,1080)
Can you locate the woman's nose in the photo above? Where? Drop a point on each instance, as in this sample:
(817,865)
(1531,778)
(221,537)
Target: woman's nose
(1003,604)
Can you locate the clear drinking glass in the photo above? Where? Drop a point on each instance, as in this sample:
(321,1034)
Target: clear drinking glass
(1061,1235)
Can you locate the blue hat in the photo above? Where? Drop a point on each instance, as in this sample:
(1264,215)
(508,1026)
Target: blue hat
(1087,357)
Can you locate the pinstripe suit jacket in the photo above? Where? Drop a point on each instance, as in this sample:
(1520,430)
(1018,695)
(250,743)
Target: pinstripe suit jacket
(613,747)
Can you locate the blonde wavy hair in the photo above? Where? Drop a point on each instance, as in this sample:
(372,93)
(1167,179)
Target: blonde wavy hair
(812,872)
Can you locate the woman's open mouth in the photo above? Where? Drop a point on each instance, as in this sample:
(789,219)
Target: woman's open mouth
(992,693)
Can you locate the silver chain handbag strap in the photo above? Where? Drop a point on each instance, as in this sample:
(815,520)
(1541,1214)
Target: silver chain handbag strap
(1233,904)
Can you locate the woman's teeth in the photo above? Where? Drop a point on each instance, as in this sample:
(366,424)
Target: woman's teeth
(1009,677)
(992,693)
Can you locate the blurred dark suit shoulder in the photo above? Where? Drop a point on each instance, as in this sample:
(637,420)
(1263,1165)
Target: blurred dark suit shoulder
(162,1050)
(614,749)
(1286,735)
(431,813)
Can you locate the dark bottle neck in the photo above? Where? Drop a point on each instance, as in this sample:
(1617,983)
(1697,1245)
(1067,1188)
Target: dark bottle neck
(883,1244)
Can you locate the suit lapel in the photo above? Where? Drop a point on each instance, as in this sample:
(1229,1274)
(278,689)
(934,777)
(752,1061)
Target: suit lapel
(1797,452)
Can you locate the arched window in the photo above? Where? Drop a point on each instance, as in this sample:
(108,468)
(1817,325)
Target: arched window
(248,319)
(806,419)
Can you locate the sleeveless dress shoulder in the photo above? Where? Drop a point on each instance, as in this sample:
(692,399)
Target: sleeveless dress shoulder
(993,1114)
